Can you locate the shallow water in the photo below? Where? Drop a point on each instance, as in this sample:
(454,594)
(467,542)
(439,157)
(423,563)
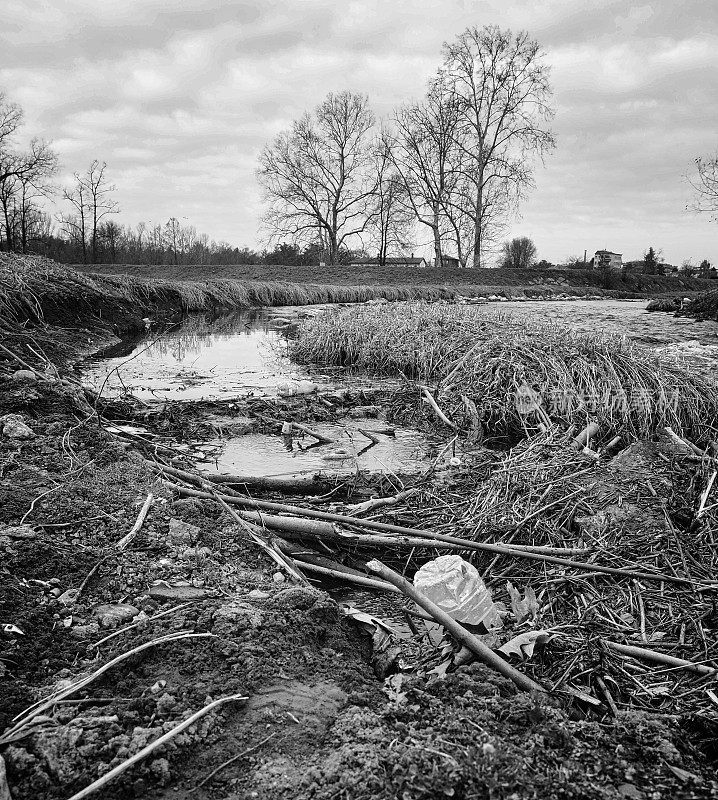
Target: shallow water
(398,450)
(244,352)
(235,355)
(625,317)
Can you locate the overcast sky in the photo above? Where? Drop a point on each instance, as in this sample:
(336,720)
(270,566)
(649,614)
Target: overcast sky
(180,97)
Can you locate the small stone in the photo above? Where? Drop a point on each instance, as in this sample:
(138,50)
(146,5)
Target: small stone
(163,592)
(55,592)
(110,616)
(278,577)
(258,594)
(14,427)
(182,533)
(24,376)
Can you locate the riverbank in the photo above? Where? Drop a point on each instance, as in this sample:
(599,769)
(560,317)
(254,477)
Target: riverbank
(319,703)
(468,282)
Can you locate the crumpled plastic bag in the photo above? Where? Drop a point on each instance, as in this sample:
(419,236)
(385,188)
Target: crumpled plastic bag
(456,587)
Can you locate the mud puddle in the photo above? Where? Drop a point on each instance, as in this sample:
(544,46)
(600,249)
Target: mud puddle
(395,450)
(239,354)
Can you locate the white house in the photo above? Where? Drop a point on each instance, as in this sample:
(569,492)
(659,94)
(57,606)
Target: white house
(606,260)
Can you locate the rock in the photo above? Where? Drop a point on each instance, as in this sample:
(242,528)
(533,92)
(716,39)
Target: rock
(165,704)
(258,594)
(18,531)
(110,616)
(278,577)
(182,533)
(14,427)
(298,597)
(24,376)
(165,592)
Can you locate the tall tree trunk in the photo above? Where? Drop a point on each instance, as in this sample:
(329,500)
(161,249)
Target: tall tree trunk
(479,226)
(438,256)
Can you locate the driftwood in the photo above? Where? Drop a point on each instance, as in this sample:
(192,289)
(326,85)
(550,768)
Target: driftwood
(296,527)
(299,484)
(380,502)
(369,435)
(320,437)
(439,413)
(430,536)
(583,438)
(477,647)
(659,658)
(125,540)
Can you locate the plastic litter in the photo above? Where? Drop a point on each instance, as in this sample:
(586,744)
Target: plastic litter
(456,587)
(300,387)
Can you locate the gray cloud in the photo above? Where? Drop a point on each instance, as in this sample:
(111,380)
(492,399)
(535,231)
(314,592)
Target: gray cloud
(180,98)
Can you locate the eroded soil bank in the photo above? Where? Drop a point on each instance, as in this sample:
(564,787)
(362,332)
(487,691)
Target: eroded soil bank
(326,715)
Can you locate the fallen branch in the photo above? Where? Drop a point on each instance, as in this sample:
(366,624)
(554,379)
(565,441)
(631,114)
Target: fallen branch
(477,647)
(141,754)
(369,435)
(380,502)
(125,540)
(296,527)
(132,625)
(583,438)
(359,580)
(320,437)
(659,658)
(439,413)
(705,493)
(429,536)
(272,483)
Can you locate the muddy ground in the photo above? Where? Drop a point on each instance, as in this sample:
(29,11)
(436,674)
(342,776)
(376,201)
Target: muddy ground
(317,722)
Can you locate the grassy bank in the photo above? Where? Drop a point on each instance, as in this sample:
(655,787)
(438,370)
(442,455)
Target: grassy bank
(484,360)
(461,281)
(34,288)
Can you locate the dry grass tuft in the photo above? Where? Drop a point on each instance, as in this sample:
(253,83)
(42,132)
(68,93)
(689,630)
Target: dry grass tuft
(468,352)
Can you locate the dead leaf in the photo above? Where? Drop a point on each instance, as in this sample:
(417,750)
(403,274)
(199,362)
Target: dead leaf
(683,774)
(523,645)
(523,608)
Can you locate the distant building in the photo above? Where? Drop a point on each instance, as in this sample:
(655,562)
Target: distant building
(399,261)
(450,262)
(606,260)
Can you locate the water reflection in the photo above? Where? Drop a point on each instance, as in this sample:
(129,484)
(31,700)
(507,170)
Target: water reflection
(241,352)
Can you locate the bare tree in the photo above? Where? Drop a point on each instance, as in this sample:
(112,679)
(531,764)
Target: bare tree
(24,176)
(317,177)
(90,200)
(705,185)
(498,85)
(390,220)
(422,148)
(519,253)
(172,238)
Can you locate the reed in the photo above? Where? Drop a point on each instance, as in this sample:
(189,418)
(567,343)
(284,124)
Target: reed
(490,357)
(31,285)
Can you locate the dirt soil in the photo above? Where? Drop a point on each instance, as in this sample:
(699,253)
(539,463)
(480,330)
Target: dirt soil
(316,721)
